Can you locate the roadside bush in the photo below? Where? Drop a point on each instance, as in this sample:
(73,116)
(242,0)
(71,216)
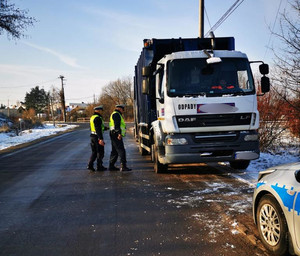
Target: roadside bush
(4,128)
(29,124)
(5,123)
(294,119)
(278,120)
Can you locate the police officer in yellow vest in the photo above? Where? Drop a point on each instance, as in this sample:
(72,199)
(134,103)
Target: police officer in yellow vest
(117,132)
(97,143)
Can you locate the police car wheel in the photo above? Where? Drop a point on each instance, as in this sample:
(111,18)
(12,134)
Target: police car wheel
(272,225)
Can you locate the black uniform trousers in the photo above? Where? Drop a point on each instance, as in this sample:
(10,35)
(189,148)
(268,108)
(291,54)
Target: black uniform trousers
(117,149)
(97,152)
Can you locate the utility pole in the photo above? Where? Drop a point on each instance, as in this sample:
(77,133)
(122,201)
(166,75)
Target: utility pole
(201,18)
(8,107)
(62,98)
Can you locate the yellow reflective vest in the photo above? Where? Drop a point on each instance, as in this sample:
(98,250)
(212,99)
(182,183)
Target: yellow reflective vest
(122,125)
(92,124)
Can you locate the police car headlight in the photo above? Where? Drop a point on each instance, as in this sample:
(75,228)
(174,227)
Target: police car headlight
(176,141)
(251,137)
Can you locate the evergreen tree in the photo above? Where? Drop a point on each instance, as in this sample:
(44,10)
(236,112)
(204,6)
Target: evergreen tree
(37,99)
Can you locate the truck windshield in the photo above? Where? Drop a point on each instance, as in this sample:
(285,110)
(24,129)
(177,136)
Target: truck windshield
(194,77)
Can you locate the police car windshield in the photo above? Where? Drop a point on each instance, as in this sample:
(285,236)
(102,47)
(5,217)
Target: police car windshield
(194,77)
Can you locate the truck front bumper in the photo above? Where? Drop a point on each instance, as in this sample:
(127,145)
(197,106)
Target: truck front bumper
(211,147)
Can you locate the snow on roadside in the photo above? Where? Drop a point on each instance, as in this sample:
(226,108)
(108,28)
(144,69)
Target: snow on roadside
(267,160)
(11,139)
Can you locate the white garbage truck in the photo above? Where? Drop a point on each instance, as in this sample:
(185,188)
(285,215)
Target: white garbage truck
(195,101)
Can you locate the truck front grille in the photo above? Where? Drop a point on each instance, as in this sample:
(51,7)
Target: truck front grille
(216,137)
(213,120)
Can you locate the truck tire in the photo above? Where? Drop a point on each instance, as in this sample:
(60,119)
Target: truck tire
(158,167)
(239,164)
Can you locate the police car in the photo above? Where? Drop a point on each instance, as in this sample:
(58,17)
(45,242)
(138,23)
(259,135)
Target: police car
(276,208)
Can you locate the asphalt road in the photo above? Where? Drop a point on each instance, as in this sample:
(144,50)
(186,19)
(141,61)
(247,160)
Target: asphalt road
(51,205)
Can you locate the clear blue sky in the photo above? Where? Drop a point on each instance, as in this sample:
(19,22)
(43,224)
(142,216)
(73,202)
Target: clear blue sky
(93,42)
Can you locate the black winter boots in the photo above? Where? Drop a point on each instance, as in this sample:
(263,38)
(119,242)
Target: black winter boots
(124,168)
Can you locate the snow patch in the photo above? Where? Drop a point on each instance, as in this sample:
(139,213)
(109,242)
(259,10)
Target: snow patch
(11,139)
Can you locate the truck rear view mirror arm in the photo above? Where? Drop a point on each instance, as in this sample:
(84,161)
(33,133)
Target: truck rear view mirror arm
(161,100)
(211,59)
(263,68)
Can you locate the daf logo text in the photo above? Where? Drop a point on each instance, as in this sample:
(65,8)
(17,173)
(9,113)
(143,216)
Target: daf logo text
(187,119)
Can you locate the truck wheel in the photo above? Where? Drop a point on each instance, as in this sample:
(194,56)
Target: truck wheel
(272,225)
(158,167)
(239,164)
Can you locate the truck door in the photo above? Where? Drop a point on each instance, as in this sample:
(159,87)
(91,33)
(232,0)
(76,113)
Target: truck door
(159,91)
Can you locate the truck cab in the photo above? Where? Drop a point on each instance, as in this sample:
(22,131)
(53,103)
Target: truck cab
(204,108)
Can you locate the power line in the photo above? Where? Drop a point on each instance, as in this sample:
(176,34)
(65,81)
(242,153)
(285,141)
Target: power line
(207,17)
(28,85)
(81,98)
(268,45)
(225,16)
(285,99)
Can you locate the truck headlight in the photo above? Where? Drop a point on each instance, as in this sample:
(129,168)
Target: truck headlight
(251,137)
(253,119)
(176,141)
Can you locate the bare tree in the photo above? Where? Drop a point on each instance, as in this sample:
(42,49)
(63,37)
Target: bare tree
(286,72)
(287,57)
(13,20)
(54,100)
(55,94)
(273,121)
(117,92)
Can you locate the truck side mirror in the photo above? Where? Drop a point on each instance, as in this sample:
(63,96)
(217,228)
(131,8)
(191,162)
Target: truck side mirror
(146,71)
(264,69)
(265,84)
(297,175)
(145,86)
